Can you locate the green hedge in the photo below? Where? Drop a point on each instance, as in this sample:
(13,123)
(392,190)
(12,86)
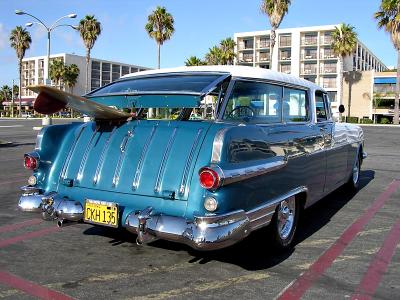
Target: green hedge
(352,120)
(366,121)
(385,121)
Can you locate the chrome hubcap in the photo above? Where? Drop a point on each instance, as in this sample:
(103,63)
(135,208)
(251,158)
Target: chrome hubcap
(356,171)
(286,213)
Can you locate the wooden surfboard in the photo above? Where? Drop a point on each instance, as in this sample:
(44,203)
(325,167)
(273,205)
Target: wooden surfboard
(51,100)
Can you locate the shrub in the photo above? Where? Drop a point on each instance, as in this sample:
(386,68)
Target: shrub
(366,121)
(352,120)
(385,121)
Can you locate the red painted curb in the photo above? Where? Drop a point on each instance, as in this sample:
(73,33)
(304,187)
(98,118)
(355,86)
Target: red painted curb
(12,227)
(379,265)
(29,235)
(297,289)
(30,288)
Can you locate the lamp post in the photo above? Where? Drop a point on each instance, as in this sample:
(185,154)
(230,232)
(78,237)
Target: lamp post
(49,29)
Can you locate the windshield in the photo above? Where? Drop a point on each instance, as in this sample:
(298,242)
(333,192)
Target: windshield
(170,83)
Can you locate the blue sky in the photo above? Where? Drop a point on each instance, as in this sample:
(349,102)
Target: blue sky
(199,25)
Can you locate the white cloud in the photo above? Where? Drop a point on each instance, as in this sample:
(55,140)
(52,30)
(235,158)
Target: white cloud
(3,37)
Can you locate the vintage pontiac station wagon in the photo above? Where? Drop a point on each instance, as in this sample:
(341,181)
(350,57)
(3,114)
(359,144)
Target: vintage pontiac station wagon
(197,155)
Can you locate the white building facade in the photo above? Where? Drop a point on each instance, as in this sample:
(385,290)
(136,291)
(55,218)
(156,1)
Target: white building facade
(101,72)
(305,52)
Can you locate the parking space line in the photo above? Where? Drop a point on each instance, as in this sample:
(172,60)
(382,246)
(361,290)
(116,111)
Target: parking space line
(12,181)
(16,226)
(207,286)
(379,265)
(30,288)
(29,235)
(297,288)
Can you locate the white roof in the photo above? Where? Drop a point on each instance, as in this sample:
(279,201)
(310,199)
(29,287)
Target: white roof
(235,71)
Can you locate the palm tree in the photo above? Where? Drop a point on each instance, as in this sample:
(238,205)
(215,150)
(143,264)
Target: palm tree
(228,50)
(20,40)
(57,71)
(344,41)
(214,56)
(160,27)
(194,61)
(388,18)
(275,10)
(70,76)
(89,29)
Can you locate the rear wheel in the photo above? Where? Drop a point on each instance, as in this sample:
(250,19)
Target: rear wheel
(284,222)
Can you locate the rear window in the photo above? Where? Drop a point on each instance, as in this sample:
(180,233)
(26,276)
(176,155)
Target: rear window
(173,83)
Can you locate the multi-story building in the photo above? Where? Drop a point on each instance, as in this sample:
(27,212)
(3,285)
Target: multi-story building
(101,72)
(305,52)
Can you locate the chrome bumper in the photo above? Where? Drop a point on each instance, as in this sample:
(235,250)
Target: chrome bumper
(51,206)
(204,233)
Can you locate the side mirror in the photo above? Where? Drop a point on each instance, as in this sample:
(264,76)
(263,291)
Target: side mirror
(341,108)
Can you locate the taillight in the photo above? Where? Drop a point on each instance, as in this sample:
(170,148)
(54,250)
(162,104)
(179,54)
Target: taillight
(209,179)
(30,162)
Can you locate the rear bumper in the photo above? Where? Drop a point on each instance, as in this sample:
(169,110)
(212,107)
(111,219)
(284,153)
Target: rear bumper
(204,233)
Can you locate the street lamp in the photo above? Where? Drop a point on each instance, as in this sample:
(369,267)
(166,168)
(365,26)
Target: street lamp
(49,29)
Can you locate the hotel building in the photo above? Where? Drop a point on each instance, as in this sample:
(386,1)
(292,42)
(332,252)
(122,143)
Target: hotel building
(305,52)
(101,72)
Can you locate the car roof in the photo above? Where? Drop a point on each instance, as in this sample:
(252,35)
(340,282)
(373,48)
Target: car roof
(235,71)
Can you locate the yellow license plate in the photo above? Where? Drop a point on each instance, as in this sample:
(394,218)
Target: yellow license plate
(100,212)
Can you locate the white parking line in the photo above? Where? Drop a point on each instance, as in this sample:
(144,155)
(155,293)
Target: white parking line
(7,126)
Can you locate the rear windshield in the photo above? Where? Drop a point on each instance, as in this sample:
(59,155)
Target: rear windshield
(172,83)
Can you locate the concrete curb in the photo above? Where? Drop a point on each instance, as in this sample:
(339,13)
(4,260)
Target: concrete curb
(379,125)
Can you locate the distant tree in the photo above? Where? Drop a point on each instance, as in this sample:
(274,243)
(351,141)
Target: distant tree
(89,29)
(214,56)
(194,61)
(70,76)
(228,51)
(388,18)
(160,27)
(5,93)
(57,70)
(20,40)
(275,10)
(344,41)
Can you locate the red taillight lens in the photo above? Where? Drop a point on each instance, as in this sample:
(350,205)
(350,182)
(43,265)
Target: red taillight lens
(30,163)
(209,179)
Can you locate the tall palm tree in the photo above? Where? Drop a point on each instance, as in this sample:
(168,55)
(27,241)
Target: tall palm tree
(194,61)
(275,10)
(89,29)
(70,77)
(160,27)
(20,40)
(344,41)
(228,50)
(57,71)
(214,56)
(388,18)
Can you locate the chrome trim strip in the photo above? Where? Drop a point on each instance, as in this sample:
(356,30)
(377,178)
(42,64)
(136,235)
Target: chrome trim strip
(189,163)
(208,89)
(174,93)
(139,167)
(364,155)
(121,158)
(164,161)
(102,156)
(71,150)
(217,145)
(85,155)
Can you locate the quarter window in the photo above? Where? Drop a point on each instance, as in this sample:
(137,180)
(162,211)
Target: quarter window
(254,102)
(295,105)
(320,108)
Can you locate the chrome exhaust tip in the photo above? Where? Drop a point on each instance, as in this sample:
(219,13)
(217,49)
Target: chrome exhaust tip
(64,222)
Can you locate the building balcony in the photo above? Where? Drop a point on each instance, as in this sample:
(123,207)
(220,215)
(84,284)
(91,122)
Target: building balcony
(246,59)
(309,42)
(326,40)
(285,58)
(242,47)
(328,56)
(329,70)
(263,45)
(311,71)
(312,56)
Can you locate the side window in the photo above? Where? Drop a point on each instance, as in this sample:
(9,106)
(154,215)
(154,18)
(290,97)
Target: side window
(254,102)
(295,105)
(320,107)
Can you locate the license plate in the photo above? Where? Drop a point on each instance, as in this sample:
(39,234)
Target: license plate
(100,212)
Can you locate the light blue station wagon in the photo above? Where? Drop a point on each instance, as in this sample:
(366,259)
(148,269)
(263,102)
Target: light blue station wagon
(196,155)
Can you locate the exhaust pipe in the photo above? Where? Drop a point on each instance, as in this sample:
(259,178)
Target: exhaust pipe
(64,222)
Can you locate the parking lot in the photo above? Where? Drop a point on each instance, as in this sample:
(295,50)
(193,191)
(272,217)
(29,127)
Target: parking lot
(347,246)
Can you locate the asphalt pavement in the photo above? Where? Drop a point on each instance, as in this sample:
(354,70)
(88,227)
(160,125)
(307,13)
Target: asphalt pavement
(347,245)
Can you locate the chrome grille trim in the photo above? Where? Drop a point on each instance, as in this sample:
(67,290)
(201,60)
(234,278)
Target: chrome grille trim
(164,160)
(85,155)
(102,156)
(139,167)
(121,158)
(71,150)
(189,163)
